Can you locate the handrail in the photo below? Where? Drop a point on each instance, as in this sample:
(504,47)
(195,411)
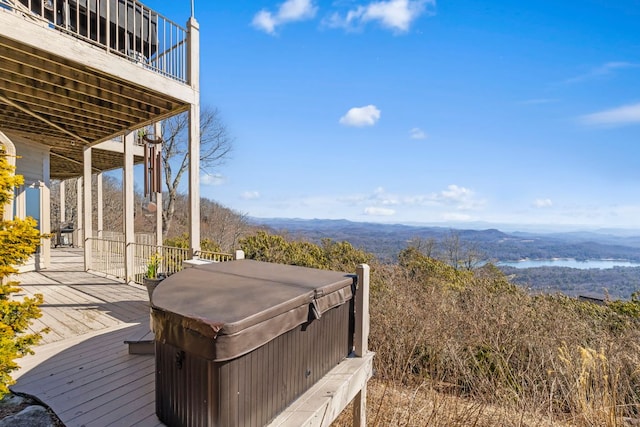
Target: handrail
(214,256)
(171,259)
(108,257)
(126,28)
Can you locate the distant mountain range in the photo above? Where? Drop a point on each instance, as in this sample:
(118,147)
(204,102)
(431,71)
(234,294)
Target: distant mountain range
(386,240)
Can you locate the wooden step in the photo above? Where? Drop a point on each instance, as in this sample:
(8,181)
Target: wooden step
(142,341)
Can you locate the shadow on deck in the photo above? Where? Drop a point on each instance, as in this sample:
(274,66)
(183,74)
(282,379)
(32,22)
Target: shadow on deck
(83,369)
(84,372)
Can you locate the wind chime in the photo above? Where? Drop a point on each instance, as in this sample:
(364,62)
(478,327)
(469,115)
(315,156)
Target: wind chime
(152,171)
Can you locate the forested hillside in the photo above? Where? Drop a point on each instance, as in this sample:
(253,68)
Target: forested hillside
(385,241)
(469,248)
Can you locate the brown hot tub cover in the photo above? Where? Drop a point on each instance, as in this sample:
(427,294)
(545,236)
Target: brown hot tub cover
(221,311)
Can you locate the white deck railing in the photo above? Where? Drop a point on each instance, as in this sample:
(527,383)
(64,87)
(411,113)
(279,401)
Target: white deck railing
(171,259)
(108,257)
(142,238)
(123,27)
(214,256)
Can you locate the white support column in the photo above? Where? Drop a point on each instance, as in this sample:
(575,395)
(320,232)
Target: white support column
(45,227)
(45,214)
(159,233)
(100,200)
(80,216)
(88,208)
(63,203)
(157,131)
(20,201)
(194,135)
(10,150)
(129,207)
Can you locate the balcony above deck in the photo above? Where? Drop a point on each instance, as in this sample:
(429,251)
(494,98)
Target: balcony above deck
(75,73)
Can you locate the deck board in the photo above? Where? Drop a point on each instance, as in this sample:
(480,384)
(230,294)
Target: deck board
(82,368)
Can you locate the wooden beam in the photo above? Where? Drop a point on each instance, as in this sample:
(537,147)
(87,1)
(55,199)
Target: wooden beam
(88,104)
(42,119)
(71,160)
(80,113)
(43,67)
(118,147)
(14,118)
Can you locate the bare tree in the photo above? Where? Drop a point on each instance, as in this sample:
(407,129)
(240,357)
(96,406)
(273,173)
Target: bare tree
(460,254)
(215,147)
(426,247)
(71,212)
(221,225)
(111,203)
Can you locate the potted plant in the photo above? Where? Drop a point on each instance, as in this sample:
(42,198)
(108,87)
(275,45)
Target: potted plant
(153,276)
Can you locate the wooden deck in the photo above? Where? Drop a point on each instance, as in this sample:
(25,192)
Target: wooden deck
(83,369)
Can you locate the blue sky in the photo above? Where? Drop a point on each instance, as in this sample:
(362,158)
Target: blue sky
(441,111)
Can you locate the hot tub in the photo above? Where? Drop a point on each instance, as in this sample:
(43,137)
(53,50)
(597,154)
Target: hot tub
(237,342)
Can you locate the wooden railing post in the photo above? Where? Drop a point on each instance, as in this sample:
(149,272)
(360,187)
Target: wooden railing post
(362,311)
(361,340)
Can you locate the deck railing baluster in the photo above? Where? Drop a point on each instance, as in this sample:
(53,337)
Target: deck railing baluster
(144,30)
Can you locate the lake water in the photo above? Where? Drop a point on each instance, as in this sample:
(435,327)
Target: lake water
(599,263)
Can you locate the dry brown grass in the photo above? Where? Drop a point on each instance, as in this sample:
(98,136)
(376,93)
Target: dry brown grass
(396,405)
(461,349)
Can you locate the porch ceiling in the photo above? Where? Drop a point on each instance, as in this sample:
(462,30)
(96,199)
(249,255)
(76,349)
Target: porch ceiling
(60,102)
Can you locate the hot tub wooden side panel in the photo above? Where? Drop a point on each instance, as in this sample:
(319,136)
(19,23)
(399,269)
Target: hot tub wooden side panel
(254,388)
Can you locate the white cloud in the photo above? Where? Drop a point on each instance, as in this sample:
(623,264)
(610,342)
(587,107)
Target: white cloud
(624,115)
(250,195)
(454,193)
(376,211)
(542,203)
(264,21)
(602,70)
(289,11)
(361,116)
(459,197)
(417,133)
(216,179)
(454,203)
(397,15)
